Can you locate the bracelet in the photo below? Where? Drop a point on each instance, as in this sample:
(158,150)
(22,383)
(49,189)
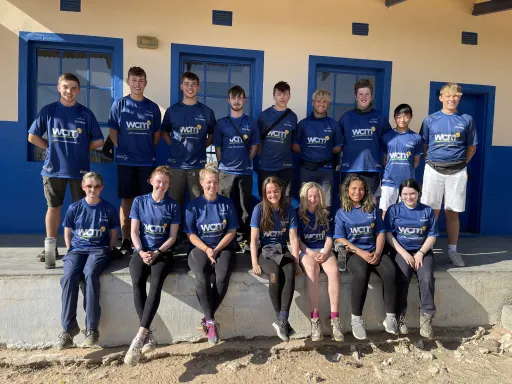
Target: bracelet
(158,251)
(423,253)
(139,249)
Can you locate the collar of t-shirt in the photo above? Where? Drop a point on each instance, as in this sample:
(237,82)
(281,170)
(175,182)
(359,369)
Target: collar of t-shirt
(364,111)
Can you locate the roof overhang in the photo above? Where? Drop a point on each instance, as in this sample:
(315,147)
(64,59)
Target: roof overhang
(491,6)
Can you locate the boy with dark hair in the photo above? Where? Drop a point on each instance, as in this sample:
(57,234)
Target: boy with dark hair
(277,126)
(402,150)
(236,140)
(363,128)
(135,123)
(450,142)
(187,128)
(72,133)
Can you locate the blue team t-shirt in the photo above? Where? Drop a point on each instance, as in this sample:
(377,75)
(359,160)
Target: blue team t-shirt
(70,130)
(211,220)
(155,219)
(400,150)
(358,227)
(135,122)
(448,136)
(312,237)
(276,148)
(234,152)
(411,227)
(317,137)
(188,125)
(362,133)
(90,224)
(281,231)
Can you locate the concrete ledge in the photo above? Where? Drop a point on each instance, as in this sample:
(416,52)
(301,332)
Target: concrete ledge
(506,317)
(30,301)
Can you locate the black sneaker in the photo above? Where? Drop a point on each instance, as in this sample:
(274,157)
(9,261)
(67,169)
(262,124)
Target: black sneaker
(66,338)
(126,247)
(40,257)
(281,327)
(92,337)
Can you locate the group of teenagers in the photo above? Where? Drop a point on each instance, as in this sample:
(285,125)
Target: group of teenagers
(386,222)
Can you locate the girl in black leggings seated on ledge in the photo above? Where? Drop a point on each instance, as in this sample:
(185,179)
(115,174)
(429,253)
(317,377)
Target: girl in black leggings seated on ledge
(273,222)
(154,226)
(210,223)
(359,227)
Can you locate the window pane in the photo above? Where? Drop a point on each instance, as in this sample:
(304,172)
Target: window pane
(345,88)
(48,66)
(241,75)
(340,110)
(46,95)
(325,80)
(101,70)
(76,63)
(82,97)
(217,79)
(219,105)
(198,69)
(100,103)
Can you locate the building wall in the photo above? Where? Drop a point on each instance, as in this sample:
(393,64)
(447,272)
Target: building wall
(420,38)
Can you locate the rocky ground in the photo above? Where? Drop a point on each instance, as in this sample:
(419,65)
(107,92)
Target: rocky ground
(461,356)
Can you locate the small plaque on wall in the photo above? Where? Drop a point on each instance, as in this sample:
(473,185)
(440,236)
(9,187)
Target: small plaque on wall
(148,42)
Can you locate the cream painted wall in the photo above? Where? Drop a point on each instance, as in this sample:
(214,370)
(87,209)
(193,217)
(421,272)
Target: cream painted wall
(421,38)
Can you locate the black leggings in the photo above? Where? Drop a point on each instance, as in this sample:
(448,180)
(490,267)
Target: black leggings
(147,305)
(281,280)
(211,297)
(360,271)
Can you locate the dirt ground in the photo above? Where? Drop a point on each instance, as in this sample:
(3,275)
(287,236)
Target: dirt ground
(452,357)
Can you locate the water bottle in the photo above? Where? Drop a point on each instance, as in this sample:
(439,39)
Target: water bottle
(50,250)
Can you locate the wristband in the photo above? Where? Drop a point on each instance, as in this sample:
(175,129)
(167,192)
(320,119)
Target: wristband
(139,249)
(158,251)
(423,253)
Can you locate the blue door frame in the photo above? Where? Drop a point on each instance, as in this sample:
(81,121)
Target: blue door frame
(488,93)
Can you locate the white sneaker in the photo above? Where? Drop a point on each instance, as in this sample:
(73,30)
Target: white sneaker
(132,357)
(456,258)
(149,343)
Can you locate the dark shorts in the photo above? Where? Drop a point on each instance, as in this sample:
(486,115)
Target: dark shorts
(371,178)
(286,175)
(55,190)
(133,181)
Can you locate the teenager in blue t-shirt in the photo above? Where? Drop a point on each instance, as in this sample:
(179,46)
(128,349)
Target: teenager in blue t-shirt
(155,221)
(72,132)
(317,139)
(276,140)
(90,230)
(273,224)
(411,231)
(187,128)
(402,149)
(236,139)
(450,142)
(134,123)
(363,128)
(315,233)
(359,228)
(210,224)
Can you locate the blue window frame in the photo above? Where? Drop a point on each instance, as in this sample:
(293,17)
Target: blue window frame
(96,61)
(218,70)
(338,75)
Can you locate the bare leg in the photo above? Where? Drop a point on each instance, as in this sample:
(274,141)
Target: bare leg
(452,226)
(124,217)
(331,270)
(312,273)
(52,221)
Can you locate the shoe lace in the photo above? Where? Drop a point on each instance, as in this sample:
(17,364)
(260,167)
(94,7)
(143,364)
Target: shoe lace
(316,324)
(211,331)
(64,336)
(91,332)
(358,322)
(336,324)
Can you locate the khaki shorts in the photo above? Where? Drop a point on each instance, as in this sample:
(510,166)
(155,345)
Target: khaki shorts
(181,180)
(55,190)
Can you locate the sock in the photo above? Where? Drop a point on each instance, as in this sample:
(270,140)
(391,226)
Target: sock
(315,314)
(335,315)
(452,247)
(283,315)
(356,317)
(210,322)
(390,314)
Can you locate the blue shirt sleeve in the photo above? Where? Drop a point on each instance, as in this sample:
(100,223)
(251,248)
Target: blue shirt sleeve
(113,219)
(217,135)
(256,216)
(384,145)
(424,131)
(39,127)
(379,223)
(232,217)
(293,217)
(338,135)
(432,224)
(297,138)
(96,133)
(176,214)
(166,122)
(386,127)
(261,125)
(190,220)
(157,126)
(330,231)
(342,130)
(211,122)
(389,219)
(339,228)
(113,117)
(471,135)
(255,133)
(69,219)
(134,212)
(418,149)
